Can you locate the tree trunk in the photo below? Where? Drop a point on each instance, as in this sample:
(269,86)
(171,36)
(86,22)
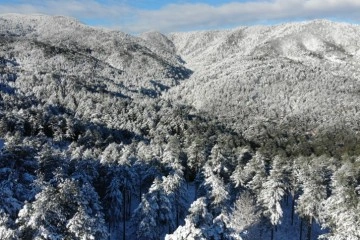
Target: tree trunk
(309,229)
(129,207)
(109,228)
(301,227)
(272,233)
(177,214)
(124,214)
(292,209)
(140,190)
(196,190)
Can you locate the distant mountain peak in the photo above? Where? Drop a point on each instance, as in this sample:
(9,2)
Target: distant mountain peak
(159,41)
(30,19)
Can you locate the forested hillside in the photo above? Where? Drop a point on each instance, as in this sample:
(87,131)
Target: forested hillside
(264,79)
(241,134)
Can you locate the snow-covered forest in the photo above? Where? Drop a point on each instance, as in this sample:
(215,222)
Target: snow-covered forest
(251,133)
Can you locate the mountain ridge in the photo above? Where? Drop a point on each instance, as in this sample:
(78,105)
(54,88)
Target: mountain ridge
(241,134)
(281,67)
(229,74)
(52,39)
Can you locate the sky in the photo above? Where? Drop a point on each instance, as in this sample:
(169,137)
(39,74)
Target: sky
(136,16)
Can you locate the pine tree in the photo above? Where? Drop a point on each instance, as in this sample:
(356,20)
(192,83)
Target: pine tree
(87,224)
(244,214)
(198,223)
(220,162)
(215,190)
(340,212)
(48,161)
(61,211)
(6,233)
(8,202)
(172,151)
(114,202)
(154,216)
(252,175)
(272,192)
(45,217)
(313,176)
(88,221)
(196,156)
(175,188)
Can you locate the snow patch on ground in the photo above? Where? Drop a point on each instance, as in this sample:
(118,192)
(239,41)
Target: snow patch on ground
(334,58)
(313,44)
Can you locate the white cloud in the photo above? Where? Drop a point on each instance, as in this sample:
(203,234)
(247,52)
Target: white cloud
(185,16)
(81,9)
(188,16)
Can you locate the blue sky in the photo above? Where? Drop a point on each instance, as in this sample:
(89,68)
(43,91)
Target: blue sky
(157,4)
(135,16)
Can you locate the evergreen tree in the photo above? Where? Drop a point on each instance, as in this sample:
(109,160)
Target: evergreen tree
(154,217)
(114,198)
(8,202)
(272,192)
(252,175)
(215,190)
(196,155)
(340,212)
(244,214)
(48,161)
(175,188)
(114,205)
(198,223)
(60,211)
(45,218)
(87,224)
(6,232)
(313,176)
(172,151)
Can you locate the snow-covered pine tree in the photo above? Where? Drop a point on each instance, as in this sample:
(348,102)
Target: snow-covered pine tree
(252,175)
(198,223)
(6,232)
(273,191)
(154,217)
(113,202)
(175,187)
(313,175)
(44,218)
(340,212)
(196,156)
(68,210)
(9,204)
(171,151)
(88,222)
(244,214)
(215,190)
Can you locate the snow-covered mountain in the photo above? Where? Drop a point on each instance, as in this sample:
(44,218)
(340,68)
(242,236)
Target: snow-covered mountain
(290,73)
(244,134)
(42,46)
(297,72)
